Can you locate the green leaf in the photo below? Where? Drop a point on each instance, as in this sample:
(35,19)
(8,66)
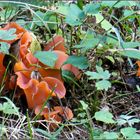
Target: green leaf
(100,74)
(103,85)
(106,25)
(108,3)
(104,116)
(128,132)
(84,105)
(132,53)
(99,17)
(93,75)
(110,135)
(80,62)
(46,57)
(9,107)
(75,15)
(119,4)
(91,8)
(135,137)
(89,41)
(35,18)
(4,48)
(130,44)
(63,9)
(8,34)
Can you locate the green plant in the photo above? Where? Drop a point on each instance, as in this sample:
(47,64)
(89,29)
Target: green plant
(101,78)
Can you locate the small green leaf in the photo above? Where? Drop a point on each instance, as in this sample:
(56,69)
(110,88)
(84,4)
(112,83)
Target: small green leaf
(132,53)
(93,75)
(103,85)
(4,48)
(110,135)
(84,105)
(80,62)
(63,9)
(91,8)
(8,109)
(11,105)
(135,137)
(75,15)
(104,116)
(46,57)
(8,34)
(100,74)
(128,132)
(106,25)
(131,44)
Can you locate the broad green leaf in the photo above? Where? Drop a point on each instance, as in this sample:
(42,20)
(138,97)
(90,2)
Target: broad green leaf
(93,75)
(100,74)
(84,105)
(118,4)
(35,45)
(89,41)
(103,85)
(130,44)
(46,57)
(91,8)
(125,3)
(99,17)
(4,48)
(9,107)
(106,25)
(99,69)
(110,135)
(135,137)
(8,34)
(63,9)
(75,15)
(108,3)
(104,116)
(132,53)
(128,132)
(128,13)
(80,62)
(35,18)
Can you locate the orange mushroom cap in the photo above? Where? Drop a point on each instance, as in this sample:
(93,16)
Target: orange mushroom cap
(55,114)
(31,80)
(57,43)
(2,68)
